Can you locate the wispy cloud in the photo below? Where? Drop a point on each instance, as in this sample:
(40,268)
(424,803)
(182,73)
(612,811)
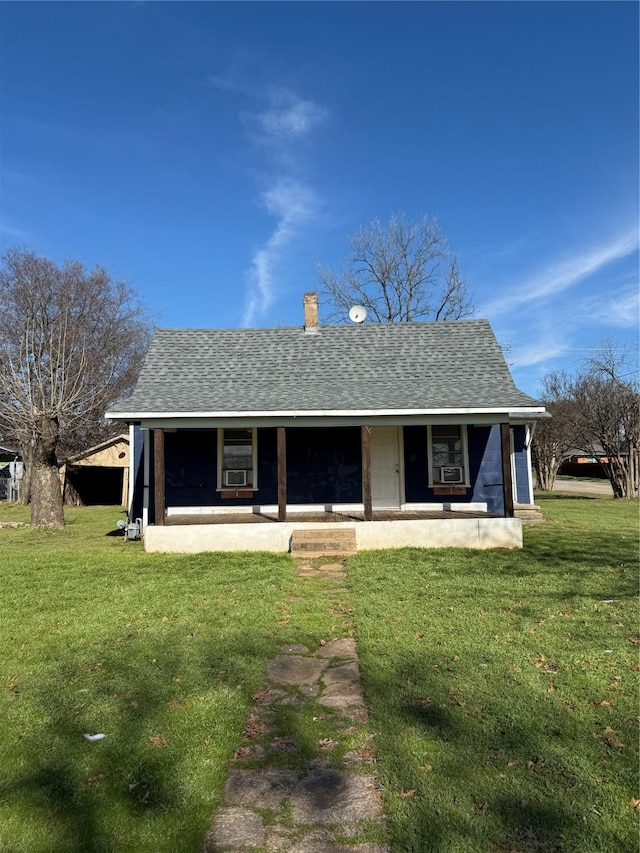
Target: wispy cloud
(288,117)
(283,121)
(561,276)
(11,232)
(624,311)
(292,204)
(277,125)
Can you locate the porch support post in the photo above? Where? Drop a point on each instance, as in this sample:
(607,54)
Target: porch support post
(158,476)
(507,482)
(365,433)
(282,474)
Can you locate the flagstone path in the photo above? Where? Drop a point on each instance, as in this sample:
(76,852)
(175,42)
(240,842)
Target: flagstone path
(295,793)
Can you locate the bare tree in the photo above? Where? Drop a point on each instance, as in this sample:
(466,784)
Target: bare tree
(398,272)
(71,343)
(597,412)
(554,437)
(607,401)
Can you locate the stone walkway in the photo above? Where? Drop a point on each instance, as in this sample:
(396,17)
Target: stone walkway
(303,780)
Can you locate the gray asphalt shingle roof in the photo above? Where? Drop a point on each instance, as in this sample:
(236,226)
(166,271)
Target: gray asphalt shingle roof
(423,366)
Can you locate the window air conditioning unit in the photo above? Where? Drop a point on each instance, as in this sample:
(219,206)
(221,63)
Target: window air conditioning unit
(450,474)
(236,477)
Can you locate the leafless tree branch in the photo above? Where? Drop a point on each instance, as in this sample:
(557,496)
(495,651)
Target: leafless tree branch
(401,271)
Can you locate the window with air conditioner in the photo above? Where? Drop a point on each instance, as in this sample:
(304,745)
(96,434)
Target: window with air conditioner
(237,452)
(448,455)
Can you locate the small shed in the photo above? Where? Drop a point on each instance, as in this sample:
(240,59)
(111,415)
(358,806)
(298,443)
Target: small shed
(99,475)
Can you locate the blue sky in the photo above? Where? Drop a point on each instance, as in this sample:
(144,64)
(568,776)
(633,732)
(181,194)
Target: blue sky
(213,153)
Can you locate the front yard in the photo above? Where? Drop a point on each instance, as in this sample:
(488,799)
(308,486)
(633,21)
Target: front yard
(502,685)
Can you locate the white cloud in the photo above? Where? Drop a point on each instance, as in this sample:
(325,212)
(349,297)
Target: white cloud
(293,204)
(543,350)
(289,117)
(561,276)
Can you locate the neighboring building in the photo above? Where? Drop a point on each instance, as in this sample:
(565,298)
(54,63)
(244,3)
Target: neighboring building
(99,475)
(583,463)
(400,426)
(11,473)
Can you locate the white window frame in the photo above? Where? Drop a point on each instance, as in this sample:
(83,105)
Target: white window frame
(254,460)
(466,483)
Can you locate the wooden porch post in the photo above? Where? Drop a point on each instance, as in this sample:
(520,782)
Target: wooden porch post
(507,481)
(365,433)
(282,474)
(158,476)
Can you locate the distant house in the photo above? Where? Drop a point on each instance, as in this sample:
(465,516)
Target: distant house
(409,434)
(98,475)
(585,463)
(11,473)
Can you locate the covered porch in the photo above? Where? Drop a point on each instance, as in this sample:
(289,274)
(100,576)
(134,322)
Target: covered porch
(441,515)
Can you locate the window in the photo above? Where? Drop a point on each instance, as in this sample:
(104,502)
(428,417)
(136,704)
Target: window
(448,457)
(237,459)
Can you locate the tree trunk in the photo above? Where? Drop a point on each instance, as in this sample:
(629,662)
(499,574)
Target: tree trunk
(25,485)
(46,494)
(546,474)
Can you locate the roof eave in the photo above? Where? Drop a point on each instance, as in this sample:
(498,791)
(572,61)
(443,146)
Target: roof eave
(524,412)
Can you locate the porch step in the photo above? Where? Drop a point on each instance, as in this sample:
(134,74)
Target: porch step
(528,513)
(323,542)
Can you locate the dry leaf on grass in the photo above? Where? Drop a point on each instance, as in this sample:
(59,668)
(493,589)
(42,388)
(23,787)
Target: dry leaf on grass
(406,794)
(158,740)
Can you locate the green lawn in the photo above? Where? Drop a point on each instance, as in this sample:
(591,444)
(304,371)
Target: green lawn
(160,653)
(502,685)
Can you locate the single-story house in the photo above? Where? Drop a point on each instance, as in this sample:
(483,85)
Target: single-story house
(585,463)
(405,434)
(98,475)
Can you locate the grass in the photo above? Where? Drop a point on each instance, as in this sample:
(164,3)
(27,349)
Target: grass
(503,686)
(161,653)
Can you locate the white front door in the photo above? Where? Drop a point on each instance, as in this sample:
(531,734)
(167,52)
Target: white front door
(385,466)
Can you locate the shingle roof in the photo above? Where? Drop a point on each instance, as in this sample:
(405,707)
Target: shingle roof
(408,366)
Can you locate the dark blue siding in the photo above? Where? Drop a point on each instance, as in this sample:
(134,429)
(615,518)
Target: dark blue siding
(415,464)
(190,468)
(324,465)
(191,465)
(521,465)
(486,467)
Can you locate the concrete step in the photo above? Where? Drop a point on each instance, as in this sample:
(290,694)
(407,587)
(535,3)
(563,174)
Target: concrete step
(528,513)
(323,542)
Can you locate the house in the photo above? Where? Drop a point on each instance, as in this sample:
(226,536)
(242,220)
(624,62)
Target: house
(583,463)
(405,434)
(11,473)
(98,475)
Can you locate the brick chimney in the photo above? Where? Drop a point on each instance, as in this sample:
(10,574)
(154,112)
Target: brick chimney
(310,302)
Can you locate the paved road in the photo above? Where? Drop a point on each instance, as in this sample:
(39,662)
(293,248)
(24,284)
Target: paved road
(585,487)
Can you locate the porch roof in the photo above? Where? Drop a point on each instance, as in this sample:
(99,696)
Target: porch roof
(383,368)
